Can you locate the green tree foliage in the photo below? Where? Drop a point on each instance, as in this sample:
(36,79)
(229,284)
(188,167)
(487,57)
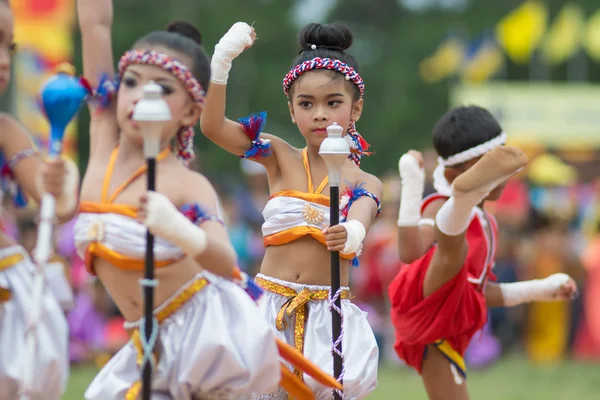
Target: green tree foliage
(400,109)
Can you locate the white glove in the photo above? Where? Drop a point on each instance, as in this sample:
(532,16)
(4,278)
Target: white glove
(413,186)
(161,217)
(356,233)
(231,45)
(535,290)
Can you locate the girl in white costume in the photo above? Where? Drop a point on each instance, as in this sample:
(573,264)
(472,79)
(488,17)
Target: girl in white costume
(323,87)
(23,168)
(213,342)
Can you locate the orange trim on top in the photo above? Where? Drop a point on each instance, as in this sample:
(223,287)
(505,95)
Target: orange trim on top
(289,235)
(311,197)
(108,208)
(120,261)
(110,169)
(108,174)
(311,188)
(106,205)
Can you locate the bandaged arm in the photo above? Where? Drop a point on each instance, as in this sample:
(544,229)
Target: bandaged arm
(226,133)
(513,294)
(356,233)
(410,243)
(209,247)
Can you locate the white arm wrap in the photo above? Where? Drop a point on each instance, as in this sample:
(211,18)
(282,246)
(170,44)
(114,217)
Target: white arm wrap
(413,186)
(164,220)
(535,290)
(231,45)
(356,233)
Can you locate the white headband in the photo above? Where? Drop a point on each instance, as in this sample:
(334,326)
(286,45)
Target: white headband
(473,152)
(440,183)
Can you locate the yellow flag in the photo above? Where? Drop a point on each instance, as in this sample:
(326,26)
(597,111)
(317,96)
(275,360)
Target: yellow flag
(591,36)
(563,41)
(445,61)
(484,60)
(521,31)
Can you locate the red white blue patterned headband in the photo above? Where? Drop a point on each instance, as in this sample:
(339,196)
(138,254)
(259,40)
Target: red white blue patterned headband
(185,138)
(179,70)
(323,63)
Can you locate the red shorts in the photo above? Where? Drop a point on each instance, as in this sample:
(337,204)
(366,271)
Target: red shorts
(448,318)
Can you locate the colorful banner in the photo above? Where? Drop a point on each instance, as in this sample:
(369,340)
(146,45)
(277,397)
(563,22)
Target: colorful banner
(563,40)
(558,115)
(522,30)
(43,33)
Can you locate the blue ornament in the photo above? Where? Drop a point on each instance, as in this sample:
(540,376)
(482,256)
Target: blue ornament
(61,98)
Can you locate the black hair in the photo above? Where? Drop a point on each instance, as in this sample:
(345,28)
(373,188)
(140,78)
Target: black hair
(462,128)
(331,41)
(183,37)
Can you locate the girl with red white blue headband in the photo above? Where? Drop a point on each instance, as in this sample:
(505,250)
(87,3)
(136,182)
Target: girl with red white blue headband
(322,87)
(210,340)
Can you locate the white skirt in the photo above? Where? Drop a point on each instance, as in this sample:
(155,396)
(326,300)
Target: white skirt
(358,343)
(213,343)
(52,362)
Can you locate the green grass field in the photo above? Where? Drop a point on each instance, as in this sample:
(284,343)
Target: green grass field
(511,379)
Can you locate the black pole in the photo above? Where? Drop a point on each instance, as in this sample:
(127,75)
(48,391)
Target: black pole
(149,290)
(336,319)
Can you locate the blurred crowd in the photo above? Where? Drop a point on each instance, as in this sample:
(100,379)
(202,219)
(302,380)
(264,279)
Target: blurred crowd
(549,223)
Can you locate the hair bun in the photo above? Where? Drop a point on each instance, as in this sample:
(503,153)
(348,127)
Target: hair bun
(185,28)
(336,36)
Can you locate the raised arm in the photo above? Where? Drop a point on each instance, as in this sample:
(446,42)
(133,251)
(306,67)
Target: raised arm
(415,235)
(231,135)
(414,241)
(95,23)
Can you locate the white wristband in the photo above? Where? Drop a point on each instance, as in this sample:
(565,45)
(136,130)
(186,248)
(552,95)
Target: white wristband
(413,186)
(164,220)
(534,290)
(356,233)
(231,45)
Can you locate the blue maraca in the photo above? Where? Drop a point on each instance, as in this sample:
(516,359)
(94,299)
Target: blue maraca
(61,98)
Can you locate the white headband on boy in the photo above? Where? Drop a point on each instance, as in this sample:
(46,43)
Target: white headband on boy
(440,183)
(473,152)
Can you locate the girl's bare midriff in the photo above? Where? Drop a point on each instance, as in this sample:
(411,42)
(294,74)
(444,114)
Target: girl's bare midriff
(123,285)
(303,261)
(125,290)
